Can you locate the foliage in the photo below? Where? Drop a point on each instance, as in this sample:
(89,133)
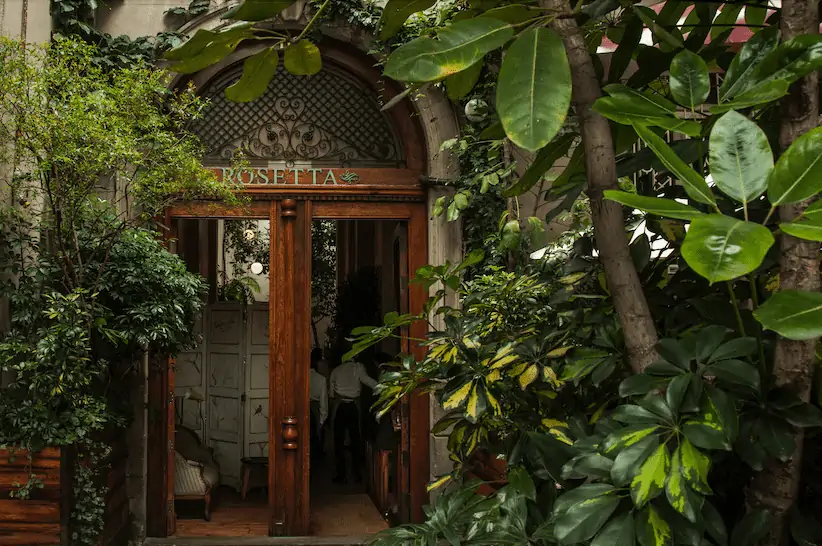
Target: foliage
(323,274)
(90,286)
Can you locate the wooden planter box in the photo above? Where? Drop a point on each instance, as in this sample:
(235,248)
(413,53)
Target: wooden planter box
(44,518)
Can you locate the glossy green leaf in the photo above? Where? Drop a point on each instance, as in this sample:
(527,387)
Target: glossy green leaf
(302,58)
(460,84)
(741,158)
(257,10)
(629,460)
(258,70)
(511,235)
(751,528)
(679,495)
(735,372)
(726,19)
(761,94)
(618,532)
(583,519)
(542,163)
(652,529)
(457,47)
(722,248)
(694,184)
(689,79)
(776,436)
(623,438)
(650,480)
(457,396)
(631,414)
(628,106)
(587,465)
(396,12)
(512,13)
(739,76)
(792,59)
(797,174)
(792,314)
(639,384)
(714,524)
(584,492)
(201,39)
(677,389)
(648,17)
(694,466)
(521,481)
(654,205)
(621,58)
(534,88)
(217,48)
(808,225)
(735,348)
(716,426)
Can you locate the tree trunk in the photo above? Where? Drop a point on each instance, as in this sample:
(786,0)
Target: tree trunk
(600,166)
(777,486)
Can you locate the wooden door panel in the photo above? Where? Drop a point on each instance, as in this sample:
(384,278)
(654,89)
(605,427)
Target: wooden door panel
(225,389)
(257,367)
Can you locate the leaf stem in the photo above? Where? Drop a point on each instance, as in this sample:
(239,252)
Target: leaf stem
(735,304)
(770,213)
(312,21)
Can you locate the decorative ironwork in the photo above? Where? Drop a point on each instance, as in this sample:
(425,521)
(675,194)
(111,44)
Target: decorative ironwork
(330,118)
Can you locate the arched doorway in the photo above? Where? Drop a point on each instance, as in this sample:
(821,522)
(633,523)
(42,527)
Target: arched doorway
(317,149)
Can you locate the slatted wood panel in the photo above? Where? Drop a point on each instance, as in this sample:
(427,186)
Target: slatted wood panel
(41,520)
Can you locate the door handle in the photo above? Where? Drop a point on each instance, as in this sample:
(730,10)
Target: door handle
(290,433)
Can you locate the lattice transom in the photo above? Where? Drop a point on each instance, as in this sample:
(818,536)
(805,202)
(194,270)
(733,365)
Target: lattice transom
(330,118)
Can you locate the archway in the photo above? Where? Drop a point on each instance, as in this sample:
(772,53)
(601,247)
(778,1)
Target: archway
(317,148)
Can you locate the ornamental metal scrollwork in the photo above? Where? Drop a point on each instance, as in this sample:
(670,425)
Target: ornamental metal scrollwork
(330,118)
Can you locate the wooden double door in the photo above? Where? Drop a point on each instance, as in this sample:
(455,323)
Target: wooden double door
(290,344)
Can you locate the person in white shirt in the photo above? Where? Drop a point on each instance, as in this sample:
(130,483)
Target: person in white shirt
(346,384)
(319,403)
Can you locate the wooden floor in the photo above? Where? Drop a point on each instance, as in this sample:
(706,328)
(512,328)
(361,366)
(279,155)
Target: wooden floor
(335,511)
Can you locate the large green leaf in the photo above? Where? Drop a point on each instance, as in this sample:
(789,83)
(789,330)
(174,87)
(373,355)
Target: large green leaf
(460,84)
(534,88)
(621,58)
(808,226)
(627,463)
(694,466)
(751,529)
(587,465)
(679,495)
(396,12)
(797,174)
(545,160)
(735,372)
(648,17)
(583,519)
(654,205)
(628,106)
(257,10)
(721,248)
(695,185)
(257,73)
(302,58)
(618,532)
(760,94)
(652,529)
(717,425)
(584,492)
(792,59)
(689,79)
(207,48)
(714,524)
(626,437)
(741,158)
(738,78)
(457,46)
(650,480)
(792,314)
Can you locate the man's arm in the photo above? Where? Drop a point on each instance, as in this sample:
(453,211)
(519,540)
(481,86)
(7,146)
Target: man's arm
(363,376)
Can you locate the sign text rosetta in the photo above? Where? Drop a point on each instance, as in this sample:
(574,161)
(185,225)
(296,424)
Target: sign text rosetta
(281,175)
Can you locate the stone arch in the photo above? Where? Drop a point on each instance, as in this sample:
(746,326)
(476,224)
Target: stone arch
(427,121)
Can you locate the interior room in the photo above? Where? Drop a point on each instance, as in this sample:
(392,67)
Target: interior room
(221,387)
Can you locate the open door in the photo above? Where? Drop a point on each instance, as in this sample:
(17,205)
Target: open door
(160,516)
(226,366)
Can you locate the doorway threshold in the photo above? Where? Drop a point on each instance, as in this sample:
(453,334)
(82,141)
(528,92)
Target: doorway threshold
(259,541)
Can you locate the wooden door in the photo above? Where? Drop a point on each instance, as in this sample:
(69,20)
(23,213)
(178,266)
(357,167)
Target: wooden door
(226,383)
(290,322)
(256,381)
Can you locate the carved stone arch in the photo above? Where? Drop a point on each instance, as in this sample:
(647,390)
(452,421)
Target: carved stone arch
(424,122)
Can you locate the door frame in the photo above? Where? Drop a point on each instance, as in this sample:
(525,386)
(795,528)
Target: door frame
(290,223)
